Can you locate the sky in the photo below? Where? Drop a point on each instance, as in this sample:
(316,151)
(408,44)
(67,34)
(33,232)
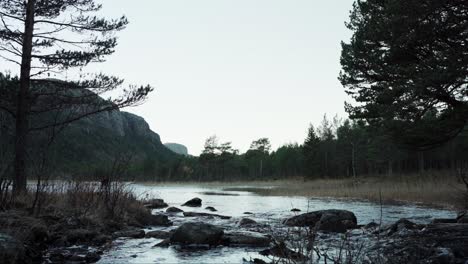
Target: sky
(238,69)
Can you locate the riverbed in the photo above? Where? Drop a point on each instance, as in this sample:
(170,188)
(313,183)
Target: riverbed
(270,210)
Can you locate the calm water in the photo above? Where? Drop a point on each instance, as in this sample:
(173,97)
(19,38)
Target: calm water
(265,209)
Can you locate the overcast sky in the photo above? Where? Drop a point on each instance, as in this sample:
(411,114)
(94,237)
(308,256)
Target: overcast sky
(240,69)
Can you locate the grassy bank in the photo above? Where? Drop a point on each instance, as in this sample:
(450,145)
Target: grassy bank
(436,189)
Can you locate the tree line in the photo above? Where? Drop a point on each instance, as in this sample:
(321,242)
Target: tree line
(335,148)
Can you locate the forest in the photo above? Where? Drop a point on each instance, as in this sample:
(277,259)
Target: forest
(335,148)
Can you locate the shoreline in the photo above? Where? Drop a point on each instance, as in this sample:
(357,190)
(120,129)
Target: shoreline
(434,191)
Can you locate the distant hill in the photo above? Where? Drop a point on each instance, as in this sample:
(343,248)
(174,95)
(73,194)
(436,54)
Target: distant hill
(91,145)
(177,148)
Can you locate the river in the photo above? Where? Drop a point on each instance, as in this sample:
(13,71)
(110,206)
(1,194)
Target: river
(265,209)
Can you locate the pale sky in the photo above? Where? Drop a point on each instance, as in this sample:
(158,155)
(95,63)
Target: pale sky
(240,69)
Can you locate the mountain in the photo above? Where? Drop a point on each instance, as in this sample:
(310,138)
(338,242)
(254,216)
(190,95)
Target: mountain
(96,142)
(177,148)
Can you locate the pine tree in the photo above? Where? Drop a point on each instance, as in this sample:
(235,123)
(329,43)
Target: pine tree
(405,59)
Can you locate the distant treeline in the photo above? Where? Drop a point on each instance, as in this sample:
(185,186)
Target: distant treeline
(334,149)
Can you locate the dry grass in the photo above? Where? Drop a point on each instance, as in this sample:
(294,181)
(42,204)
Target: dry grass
(440,190)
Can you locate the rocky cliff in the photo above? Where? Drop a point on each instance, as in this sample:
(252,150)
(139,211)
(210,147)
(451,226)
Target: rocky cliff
(177,148)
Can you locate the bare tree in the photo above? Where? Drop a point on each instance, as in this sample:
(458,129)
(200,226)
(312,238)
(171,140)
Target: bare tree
(48,38)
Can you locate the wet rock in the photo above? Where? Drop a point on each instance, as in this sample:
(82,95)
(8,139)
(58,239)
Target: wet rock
(159,220)
(164,243)
(101,239)
(371,225)
(247,222)
(197,233)
(325,220)
(254,261)
(400,227)
(92,257)
(195,214)
(462,217)
(295,210)
(210,208)
(174,210)
(195,202)
(282,251)
(246,238)
(156,204)
(12,251)
(159,234)
(444,221)
(133,233)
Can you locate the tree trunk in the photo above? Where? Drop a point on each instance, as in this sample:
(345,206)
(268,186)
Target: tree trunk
(421,162)
(353,159)
(390,167)
(19,184)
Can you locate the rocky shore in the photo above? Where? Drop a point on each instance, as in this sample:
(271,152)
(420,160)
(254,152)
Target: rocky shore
(55,238)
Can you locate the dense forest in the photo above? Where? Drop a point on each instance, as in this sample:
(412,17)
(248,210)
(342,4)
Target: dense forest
(336,148)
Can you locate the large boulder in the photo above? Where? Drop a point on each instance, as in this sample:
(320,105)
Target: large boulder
(197,233)
(11,250)
(195,202)
(156,204)
(325,220)
(246,238)
(159,220)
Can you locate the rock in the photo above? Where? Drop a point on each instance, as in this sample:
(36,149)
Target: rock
(159,220)
(443,255)
(156,204)
(247,222)
(246,238)
(281,251)
(134,233)
(462,217)
(210,208)
(101,239)
(80,235)
(444,221)
(295,210)
(195,202)
(371,225)
(92,257)
(12,251)
(248,213)
(334,223)
(174,210)
(159,234)
(195,214)
(254,261)
(325,220)
(197,233)
(401,226)
(164,243)
(435,243)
